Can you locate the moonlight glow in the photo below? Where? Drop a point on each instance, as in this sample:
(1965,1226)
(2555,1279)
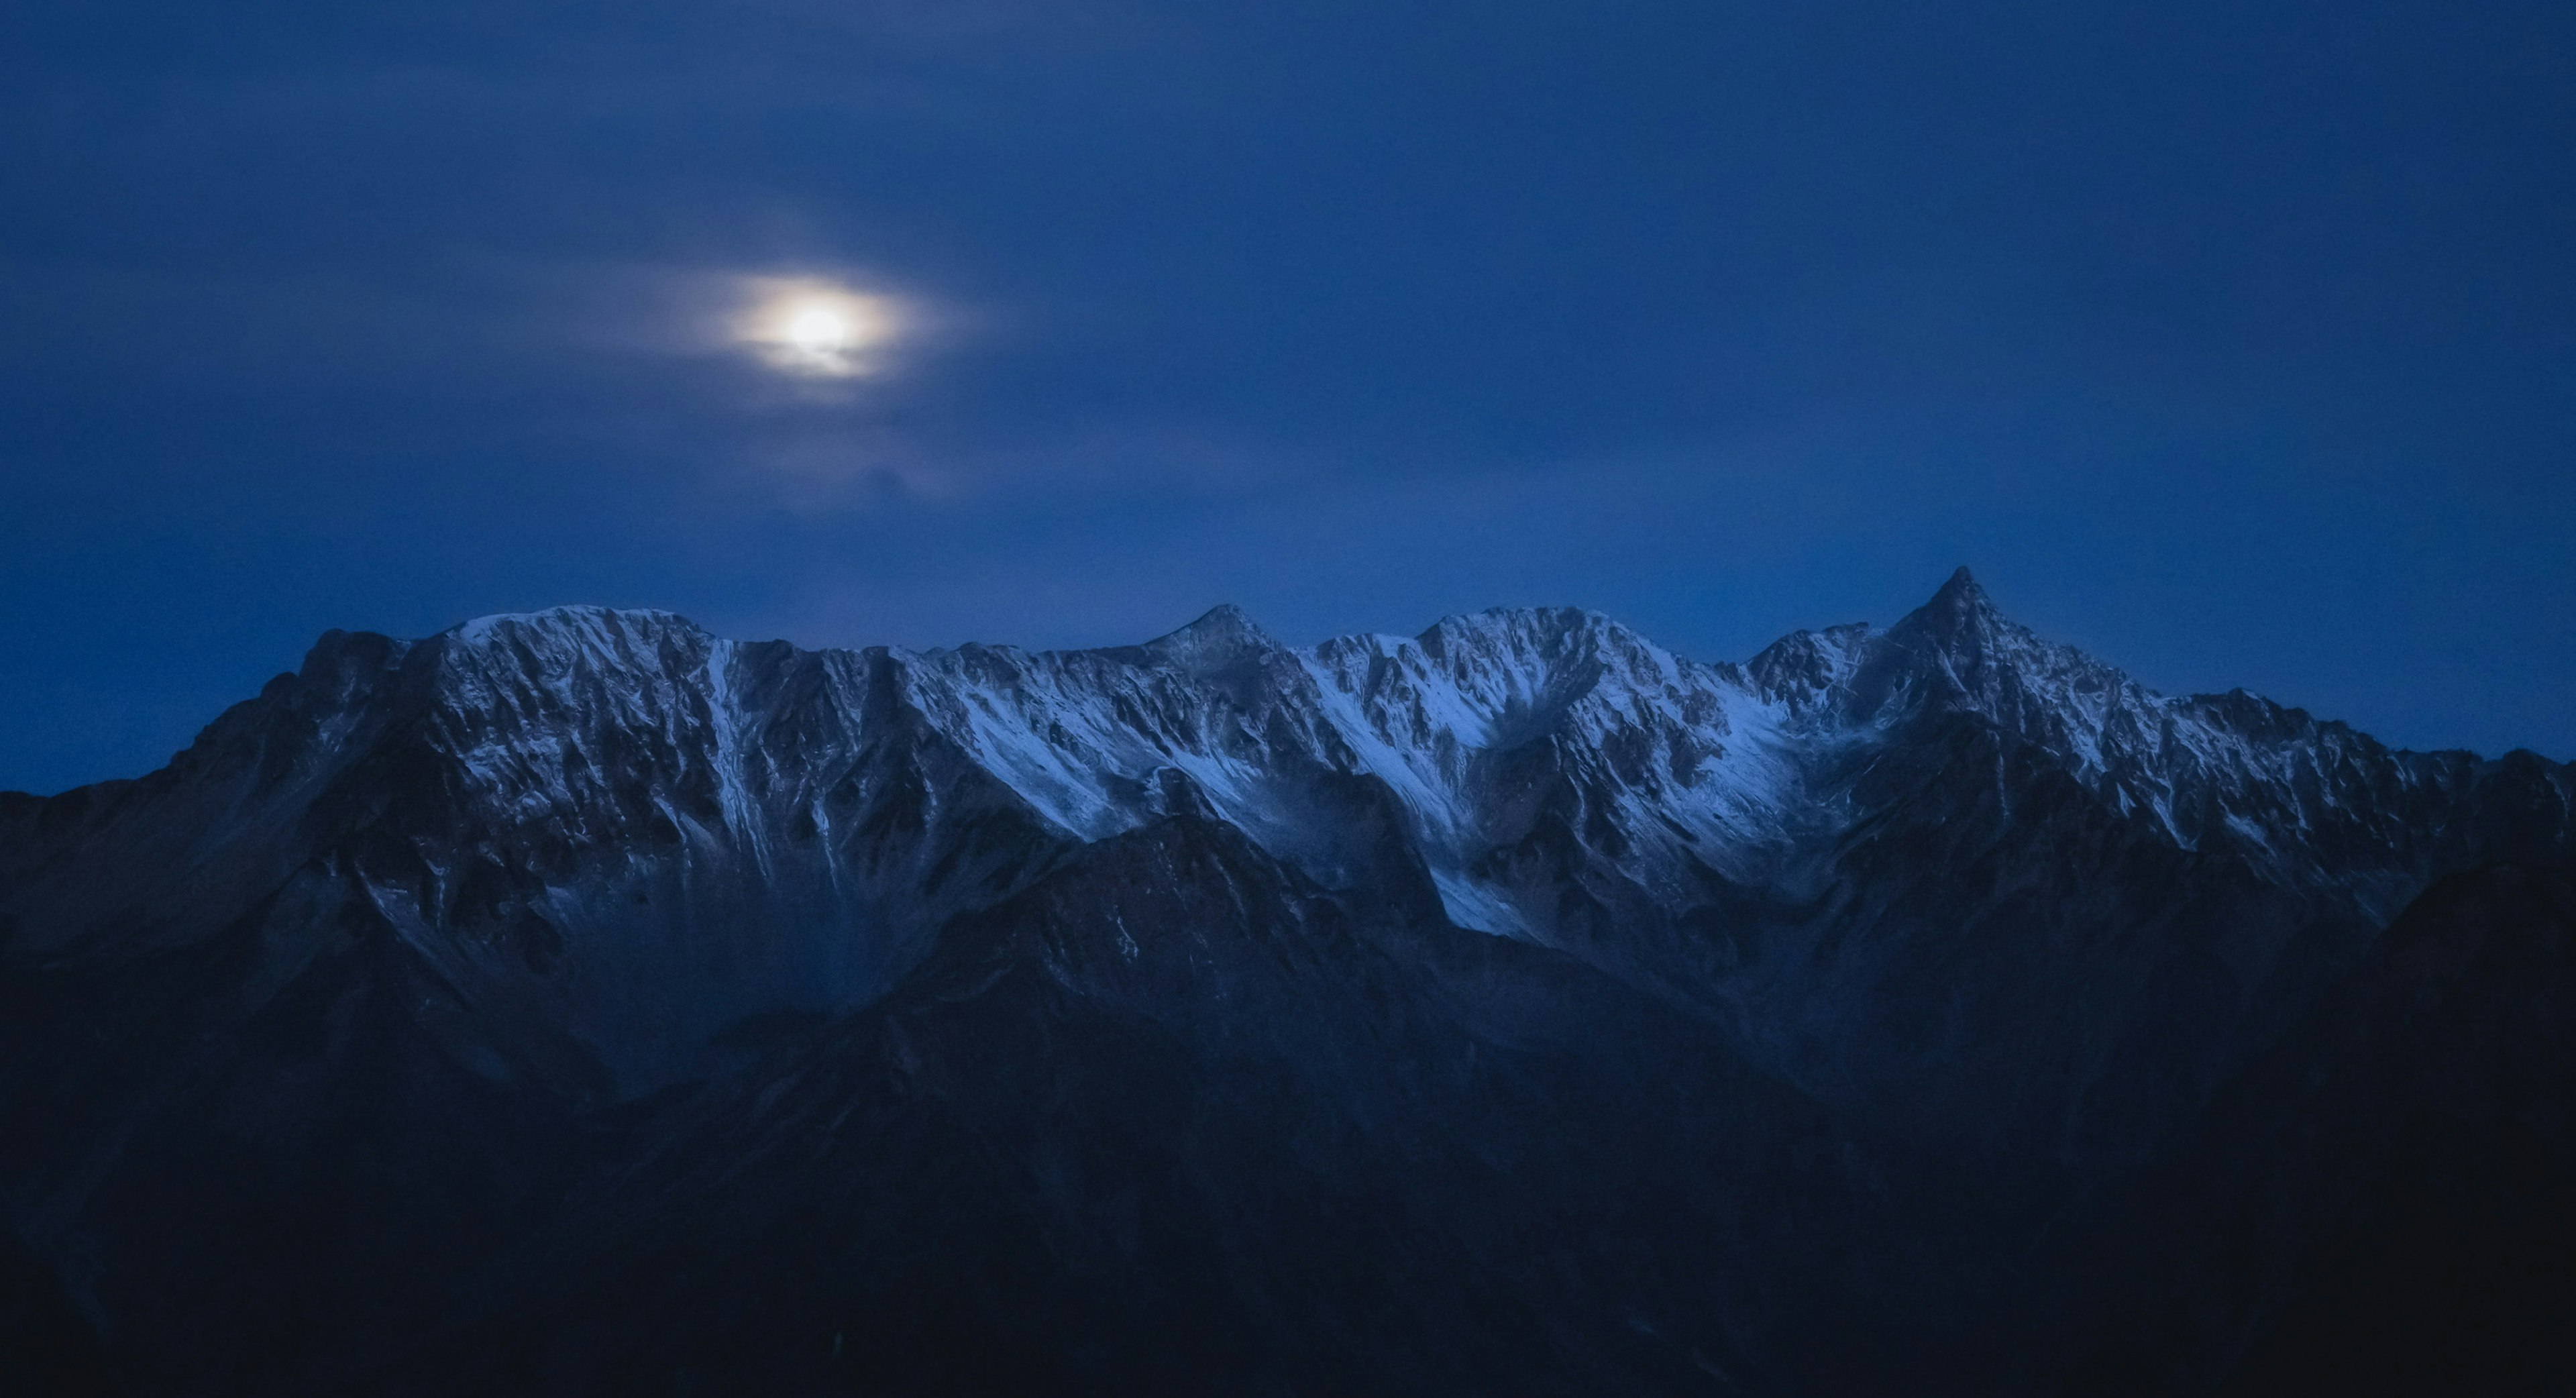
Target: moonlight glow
(817,329)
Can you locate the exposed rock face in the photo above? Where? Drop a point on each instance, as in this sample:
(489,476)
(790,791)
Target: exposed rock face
(580,1002)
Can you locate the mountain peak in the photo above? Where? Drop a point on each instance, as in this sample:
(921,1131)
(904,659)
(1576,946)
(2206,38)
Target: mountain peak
(1222,635)
(580,620)
(1961,594)
(1540,630)
(1960,616)
(1224,622)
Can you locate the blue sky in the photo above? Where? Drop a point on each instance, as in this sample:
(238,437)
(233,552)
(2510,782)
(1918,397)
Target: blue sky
(2235,342)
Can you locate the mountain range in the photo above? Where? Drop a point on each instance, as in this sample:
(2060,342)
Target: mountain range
(577,1002)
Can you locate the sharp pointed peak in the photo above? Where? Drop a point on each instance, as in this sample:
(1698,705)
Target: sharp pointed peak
(1223,614)
(1962,590)
(1962,635)
(1221,633)
(1225,620)
(1960,606)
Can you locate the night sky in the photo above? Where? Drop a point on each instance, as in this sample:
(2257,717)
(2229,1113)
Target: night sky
(2235,342)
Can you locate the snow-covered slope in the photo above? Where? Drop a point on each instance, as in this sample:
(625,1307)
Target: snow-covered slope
(1486,728)
(1648,1012)
(647,832)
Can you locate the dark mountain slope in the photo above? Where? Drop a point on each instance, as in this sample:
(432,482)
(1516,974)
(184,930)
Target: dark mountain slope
(581,1003)
(1263,1136)
(2387,1202)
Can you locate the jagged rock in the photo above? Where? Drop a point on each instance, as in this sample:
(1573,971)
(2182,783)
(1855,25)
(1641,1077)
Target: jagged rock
(581,1002)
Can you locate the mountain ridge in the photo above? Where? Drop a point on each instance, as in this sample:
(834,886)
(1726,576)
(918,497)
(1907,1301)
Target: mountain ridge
(1530,754)
(600,927)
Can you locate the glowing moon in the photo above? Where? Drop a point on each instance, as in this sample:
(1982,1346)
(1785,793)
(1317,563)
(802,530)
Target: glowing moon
(817,329)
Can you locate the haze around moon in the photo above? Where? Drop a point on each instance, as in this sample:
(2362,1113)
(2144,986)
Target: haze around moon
(815,328)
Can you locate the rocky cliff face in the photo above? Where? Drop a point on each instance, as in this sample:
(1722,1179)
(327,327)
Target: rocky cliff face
(580,1002)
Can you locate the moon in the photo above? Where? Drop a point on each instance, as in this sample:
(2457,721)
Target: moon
(819,330)
(811,328)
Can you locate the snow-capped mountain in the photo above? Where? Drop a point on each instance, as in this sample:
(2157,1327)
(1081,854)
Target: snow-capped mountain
(604,916)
